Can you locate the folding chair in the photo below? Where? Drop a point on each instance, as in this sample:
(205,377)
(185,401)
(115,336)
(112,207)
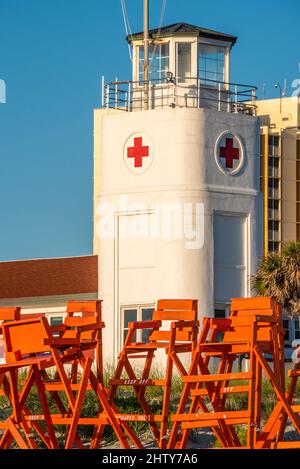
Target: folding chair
(173,329)
(31,343)
(273,432)
(253,328)
(6,314)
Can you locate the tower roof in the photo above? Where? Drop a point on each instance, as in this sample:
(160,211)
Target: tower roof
(184,29)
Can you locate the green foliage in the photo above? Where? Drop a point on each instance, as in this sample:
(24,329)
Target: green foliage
(279,276)
(127,403)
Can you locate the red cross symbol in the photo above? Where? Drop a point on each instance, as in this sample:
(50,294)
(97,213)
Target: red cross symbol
(230,153)
(138,152)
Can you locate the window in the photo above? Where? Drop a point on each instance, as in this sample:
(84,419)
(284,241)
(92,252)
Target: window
(273,225)
(273,145)
(273,203)
(158,62)
(298,170)
(56,320)
(273,246)
(220,313)
(184,55)
(211,64)
(136,313)
(286,327)
(298,211)
(222,310)
(297,328)
(273,183)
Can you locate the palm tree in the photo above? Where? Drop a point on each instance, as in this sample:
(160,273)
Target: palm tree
(279,276)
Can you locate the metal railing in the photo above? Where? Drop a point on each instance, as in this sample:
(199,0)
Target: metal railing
(179,92)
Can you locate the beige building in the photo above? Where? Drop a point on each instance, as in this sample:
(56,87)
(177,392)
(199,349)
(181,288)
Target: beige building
(280,169)
(280,179)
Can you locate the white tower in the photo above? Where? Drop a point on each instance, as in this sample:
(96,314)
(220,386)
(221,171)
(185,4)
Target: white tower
(176,181)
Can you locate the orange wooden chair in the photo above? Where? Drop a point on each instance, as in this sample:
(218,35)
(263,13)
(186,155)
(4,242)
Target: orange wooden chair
(31,344)
(254,328)
(273,432)
(173,330)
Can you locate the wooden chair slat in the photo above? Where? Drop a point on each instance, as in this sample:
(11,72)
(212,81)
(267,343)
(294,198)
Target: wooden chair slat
(175,315)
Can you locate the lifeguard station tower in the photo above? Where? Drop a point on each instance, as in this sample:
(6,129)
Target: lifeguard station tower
(177,201)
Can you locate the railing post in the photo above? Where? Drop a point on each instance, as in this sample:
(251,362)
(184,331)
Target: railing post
(254,101)
(198,92)
(107,96)
(174,94)
(236,98)
(102,91)
(219,97)
(150,96)
(129,97)
(116,93)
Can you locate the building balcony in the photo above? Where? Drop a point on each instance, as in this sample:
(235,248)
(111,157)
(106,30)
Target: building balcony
(174,92)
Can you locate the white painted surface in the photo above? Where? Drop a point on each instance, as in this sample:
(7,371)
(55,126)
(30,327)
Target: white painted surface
(230,257)
(183,170)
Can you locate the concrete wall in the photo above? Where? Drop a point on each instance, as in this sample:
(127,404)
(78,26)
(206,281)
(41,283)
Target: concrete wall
(282,117)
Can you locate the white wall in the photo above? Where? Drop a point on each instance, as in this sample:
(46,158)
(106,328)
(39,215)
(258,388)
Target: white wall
(183,170)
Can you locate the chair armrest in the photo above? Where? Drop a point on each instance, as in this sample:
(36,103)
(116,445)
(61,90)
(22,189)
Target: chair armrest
(90,327)
(182,323)
(144,324)
(58,328)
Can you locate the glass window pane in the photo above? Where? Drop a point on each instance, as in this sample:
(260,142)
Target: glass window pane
(147,314)
(130,315)
(298,170)
(145,335)
(211,64)
(286,326)
(158,62)
(125,335)
(220,313)
(184,55)
(56,320)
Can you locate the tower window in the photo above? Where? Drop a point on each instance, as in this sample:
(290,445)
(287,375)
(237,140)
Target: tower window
(184,64)
(158,62)
(136,313)
(211,64)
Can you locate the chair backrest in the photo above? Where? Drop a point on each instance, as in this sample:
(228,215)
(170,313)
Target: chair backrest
(32,315)
(88,308)
(83,313)
(10,313)
(263,305)
(26,337)
(175,310)
(244,312)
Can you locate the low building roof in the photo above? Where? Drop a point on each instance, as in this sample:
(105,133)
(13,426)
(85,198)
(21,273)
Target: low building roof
(47,277)
(184,29)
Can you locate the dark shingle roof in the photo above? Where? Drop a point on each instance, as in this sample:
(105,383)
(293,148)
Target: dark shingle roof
(184,29)
(46,277)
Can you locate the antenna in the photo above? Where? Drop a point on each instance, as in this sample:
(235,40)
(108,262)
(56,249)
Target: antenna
(278,85)
(264,90)
(284,87)
(146,52)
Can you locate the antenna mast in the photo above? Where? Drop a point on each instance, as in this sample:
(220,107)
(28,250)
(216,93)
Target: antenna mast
(146,54)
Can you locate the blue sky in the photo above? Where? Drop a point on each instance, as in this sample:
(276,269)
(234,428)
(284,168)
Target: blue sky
(52,56)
